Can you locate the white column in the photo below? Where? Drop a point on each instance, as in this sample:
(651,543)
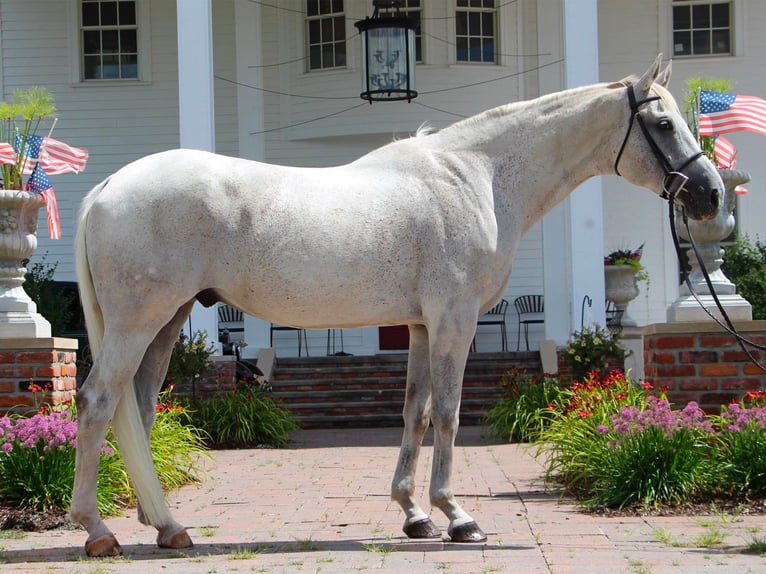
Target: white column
(250,115)
(573,233)
(196,108)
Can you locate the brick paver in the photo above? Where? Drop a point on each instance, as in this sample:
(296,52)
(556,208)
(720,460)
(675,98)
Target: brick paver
(323,506)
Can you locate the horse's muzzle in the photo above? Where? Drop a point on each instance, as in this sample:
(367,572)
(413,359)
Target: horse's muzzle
(700,202)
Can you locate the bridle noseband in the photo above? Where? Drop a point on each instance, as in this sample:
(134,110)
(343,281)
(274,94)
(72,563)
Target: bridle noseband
(674,181)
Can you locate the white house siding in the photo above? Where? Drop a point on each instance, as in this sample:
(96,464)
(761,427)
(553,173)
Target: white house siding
(630,36)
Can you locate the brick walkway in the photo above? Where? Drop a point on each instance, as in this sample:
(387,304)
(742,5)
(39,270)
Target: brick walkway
(323,506)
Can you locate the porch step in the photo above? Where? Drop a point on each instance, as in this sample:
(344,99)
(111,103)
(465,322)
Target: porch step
(346,391)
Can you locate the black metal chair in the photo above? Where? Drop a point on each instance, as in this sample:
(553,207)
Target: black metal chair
(529,308)
(613,318)
(495,316)
(302,340)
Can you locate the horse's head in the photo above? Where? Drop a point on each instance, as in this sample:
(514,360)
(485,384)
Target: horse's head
(662,153)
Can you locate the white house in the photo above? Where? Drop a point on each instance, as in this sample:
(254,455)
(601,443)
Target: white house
(283,86)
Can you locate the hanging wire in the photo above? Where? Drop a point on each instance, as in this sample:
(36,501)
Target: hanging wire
(304,122)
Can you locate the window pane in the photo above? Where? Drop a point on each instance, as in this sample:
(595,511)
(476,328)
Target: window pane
(109,13)
(461,23)
(682,17)
(129,66)
(324,6)
(90,67)
(721,41)
(91,42)
(701,42)
(340,29)
(487,24)
(462,49)
(127,13)
(109,41)
(488,50)
(128,41)
(337,6)
(462,3)
(326,30)
(475,3)
(327,55)
(314,35)
(474,24)
(474,49)
(89,14)
(110,67)
(720,15)
(312,7)
(340,54)
(315,58)
(701,16)
(682,43)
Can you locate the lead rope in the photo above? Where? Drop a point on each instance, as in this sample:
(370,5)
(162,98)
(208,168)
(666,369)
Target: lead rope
(728,326)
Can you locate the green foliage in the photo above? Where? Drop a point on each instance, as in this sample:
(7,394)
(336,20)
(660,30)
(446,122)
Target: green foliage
(593,350)
(246,416)
(22,116)
(524,411)
(54,305)
(745,265)
(190,359)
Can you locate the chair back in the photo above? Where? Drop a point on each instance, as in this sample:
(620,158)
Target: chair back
(227,314)
(499,309)
(527,304)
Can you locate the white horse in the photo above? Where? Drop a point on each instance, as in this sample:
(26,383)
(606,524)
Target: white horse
(420,232)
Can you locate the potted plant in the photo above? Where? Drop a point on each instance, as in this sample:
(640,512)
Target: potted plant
(24,158)
(622,272)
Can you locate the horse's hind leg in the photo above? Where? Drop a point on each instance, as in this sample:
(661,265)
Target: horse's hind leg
(416,416)
(449,344)
(112,372)
(148,381)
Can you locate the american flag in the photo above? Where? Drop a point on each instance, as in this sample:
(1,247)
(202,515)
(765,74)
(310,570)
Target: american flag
(30,153)
(725,153)
(7,153)
(39,183)
(58,157)
(724,113)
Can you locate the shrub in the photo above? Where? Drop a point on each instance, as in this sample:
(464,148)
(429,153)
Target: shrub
(190,359)
(52,304)
(246,416)
(593,350)
(524,410)
(745,265)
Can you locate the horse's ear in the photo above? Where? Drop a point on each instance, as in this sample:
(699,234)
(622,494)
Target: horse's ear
(644,84)
(664,78)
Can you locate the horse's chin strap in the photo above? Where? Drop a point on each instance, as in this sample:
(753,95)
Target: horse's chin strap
(674,181)
(726,324)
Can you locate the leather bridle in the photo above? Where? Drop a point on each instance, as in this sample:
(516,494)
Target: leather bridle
(674,181)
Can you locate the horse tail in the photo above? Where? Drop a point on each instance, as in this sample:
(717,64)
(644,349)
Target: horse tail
(126,423)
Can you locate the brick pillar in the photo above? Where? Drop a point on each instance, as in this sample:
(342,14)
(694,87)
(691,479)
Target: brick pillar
(44,361)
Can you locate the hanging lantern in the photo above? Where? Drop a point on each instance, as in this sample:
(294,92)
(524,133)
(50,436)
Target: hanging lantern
(388,54)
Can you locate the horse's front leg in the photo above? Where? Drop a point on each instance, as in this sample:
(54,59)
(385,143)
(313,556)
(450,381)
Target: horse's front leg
(417,404)
(449,345)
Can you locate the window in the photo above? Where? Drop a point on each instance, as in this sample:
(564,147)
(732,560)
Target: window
(411,9)
(475,30)
(701,28)
(326,29)
(109,39)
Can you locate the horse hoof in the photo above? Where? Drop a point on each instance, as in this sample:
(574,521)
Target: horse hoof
(178,539)
(103,546)
(422,529)
(468,532)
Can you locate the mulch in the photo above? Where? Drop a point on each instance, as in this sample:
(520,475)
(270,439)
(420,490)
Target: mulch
(28,520)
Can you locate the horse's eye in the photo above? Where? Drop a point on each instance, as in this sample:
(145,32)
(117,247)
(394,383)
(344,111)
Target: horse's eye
(665,125)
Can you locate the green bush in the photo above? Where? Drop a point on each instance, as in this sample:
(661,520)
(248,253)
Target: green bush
(745,265)
(246,416)
(190,359)
(52,304)
(593,349)
(524,410)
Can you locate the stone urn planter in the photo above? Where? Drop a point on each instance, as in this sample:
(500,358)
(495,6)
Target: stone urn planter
(18,241)
(621,284)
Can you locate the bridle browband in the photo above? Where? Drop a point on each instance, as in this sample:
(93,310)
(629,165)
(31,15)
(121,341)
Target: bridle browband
(674,181)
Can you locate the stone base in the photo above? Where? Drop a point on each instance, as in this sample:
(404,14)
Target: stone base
(686,308)
(19,317)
